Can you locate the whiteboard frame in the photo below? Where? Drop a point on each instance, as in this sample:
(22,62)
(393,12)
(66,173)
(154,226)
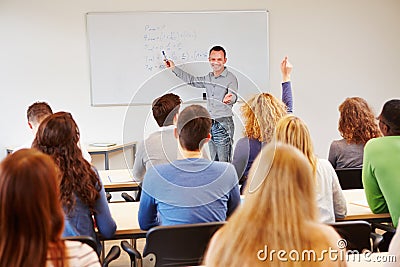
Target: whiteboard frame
(171,12)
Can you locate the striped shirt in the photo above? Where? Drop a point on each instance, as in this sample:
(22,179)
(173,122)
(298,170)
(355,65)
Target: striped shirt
(78,255)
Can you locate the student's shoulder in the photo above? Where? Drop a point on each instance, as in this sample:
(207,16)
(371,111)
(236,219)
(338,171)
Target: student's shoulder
(338,143)
(325,164)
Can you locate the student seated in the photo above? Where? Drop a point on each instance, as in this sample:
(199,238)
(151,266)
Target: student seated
(279,213)
(357,125)
(260,114)
(35,114)
(193,189)
(31,217)
(330,199)
(381,169)
(161,146)
(82,193)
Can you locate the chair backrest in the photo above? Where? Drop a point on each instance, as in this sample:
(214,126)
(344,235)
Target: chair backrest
(356,233)
(350,178)
(83,239)
(178,245)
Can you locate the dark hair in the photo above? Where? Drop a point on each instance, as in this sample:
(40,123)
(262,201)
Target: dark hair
(217,48)
(390,115)
(194,125)
(31,217)
(58,136)
(165,108)
(38,111)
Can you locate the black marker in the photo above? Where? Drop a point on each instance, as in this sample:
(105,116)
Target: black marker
(165,58)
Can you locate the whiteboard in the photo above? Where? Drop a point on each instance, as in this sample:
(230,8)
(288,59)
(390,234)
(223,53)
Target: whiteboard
(126,63)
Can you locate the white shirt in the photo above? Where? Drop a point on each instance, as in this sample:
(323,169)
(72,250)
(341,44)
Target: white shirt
(79,255)
(330,198)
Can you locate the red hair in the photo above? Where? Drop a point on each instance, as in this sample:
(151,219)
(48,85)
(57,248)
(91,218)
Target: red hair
(31,217)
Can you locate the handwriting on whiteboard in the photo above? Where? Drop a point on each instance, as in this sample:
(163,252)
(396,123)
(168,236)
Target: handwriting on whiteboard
(177,44)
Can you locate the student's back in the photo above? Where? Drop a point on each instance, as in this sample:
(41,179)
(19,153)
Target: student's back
(82,194)
(190,191)
(31,217)
(331,202)
(279,213)
(357,125)
(193,189)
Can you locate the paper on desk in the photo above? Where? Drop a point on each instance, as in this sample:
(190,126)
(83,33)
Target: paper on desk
(115,178)
(362,202)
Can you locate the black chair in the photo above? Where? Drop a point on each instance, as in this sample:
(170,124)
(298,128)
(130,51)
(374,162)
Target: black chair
(350,178)
(113,254)
(127,197)
(389,231)
(358,235)
(108,196)
(178,245)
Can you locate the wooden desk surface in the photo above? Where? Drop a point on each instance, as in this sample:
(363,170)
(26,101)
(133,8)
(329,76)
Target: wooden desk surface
(357,207)
(125,215)
(118,180)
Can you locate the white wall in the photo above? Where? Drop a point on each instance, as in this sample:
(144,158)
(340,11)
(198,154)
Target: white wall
(339,48)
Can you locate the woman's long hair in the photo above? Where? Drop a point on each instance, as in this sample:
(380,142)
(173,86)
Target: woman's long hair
(357,123)
(58,136)
(293,131)
(31,217)
(278,214)
(261,113)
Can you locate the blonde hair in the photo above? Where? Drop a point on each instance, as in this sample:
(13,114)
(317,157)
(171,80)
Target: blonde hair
(279,214)
(293,131)
(261,113)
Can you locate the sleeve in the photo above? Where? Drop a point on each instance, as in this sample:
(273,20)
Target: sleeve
(234,196)
(104,221)
(139,166)
(373,193)
(188,78)
(240,157)
(147,212)
(332,156)
(287,96)
(147,215)
(339,201)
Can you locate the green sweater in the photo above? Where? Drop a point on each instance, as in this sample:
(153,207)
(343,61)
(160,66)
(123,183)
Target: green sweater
(381,175)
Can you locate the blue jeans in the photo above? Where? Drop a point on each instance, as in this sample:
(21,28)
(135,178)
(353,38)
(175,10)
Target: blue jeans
(222,131)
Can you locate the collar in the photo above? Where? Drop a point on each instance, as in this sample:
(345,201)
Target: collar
(223,74)
(166,128)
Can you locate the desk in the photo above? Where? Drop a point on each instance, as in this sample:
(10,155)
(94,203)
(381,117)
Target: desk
(95,150)
(357,207)
(125,215)
(115,186)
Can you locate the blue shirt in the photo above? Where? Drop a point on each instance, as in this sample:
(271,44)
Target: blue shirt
(79,221)
(188,191)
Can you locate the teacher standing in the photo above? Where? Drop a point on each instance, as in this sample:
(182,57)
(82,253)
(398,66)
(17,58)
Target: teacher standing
(221,90)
